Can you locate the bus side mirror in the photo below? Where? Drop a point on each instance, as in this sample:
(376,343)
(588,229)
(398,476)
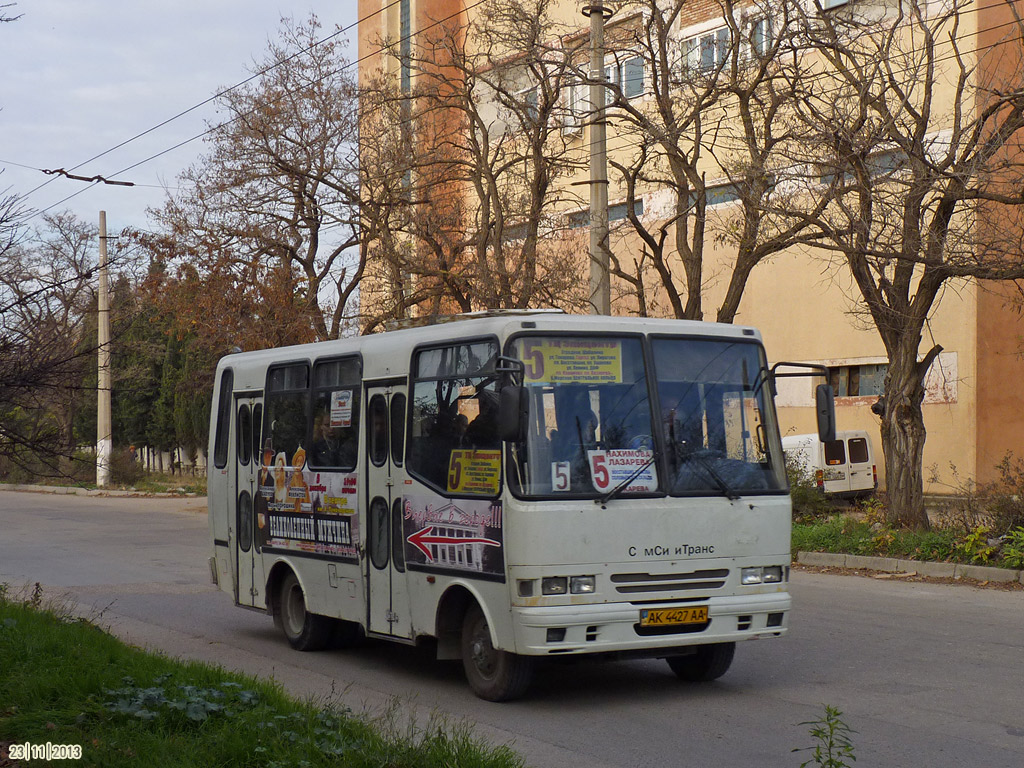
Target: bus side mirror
(512,412)
(825,405)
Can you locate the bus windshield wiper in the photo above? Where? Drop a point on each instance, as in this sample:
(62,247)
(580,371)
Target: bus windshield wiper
(626,483)
(723,486)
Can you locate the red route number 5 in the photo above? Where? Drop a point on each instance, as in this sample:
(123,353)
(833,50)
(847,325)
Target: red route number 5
(599,471)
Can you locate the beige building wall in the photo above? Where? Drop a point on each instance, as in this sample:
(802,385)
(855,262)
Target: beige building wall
(808,310)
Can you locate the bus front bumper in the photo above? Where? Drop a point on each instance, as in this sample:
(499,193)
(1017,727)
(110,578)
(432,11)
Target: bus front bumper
(616,627)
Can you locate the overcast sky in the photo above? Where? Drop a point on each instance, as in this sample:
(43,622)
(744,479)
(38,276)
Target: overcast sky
(82,76)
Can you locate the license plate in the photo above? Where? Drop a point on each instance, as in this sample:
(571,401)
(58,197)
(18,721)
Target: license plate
(667,617)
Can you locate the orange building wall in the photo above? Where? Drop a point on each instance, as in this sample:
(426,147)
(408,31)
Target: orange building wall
(1000,330)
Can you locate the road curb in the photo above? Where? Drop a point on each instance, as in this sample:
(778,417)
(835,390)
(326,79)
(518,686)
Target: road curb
(923,567)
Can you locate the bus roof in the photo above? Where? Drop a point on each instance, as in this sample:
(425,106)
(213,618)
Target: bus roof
(386,354)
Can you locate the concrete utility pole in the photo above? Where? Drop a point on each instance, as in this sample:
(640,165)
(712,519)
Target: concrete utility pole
(104,439)
(600,286)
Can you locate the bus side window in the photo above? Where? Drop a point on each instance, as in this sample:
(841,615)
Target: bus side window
(285,413)
(220,441)
(397,428)
(335,438)
(454,409)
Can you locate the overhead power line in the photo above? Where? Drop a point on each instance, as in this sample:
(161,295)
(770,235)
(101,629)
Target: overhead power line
(238,85)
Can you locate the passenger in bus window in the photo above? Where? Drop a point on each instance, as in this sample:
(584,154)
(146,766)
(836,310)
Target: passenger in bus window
(332,446)
(461,427)
(482,432)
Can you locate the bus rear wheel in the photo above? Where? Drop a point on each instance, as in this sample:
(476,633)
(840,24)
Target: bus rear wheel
(304,631)
(492,674)
(708,663)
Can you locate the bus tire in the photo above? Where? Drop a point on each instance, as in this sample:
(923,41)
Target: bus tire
(492,674)
(709,663)
(304,631)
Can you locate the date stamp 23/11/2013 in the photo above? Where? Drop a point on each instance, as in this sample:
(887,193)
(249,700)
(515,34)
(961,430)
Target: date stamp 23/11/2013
(27,751)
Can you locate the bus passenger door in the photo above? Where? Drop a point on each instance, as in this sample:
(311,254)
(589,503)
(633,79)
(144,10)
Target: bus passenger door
(387,596)
(242,525)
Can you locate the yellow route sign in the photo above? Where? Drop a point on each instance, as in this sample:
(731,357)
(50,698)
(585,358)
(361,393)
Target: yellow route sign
(571,361)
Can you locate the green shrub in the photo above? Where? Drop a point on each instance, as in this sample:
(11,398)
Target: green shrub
(1013,548)
(809,503)
(834,746)
(998,505)
(124,468)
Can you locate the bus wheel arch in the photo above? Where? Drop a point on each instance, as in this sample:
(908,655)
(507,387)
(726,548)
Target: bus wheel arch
(304,630)
(492,674)
(451,612)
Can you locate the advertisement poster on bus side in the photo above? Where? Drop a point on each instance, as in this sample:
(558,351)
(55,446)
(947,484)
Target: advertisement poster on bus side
(305,511)
(453,534)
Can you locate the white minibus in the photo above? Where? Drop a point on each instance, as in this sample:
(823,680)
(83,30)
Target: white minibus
(510,488)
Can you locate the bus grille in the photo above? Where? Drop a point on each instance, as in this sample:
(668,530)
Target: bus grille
(637,583)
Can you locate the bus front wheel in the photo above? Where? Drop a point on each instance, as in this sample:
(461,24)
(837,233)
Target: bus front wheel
(493,674)
(707,663)
(305,631)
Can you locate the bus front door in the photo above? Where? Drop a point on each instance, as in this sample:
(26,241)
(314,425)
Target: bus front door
(387,596)
(248,565)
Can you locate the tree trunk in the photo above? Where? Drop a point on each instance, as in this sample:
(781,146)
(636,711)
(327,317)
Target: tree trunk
(903,435)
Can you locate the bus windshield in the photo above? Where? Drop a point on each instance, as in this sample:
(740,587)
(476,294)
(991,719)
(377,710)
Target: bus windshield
(590,427)
(716,421)
(593,430)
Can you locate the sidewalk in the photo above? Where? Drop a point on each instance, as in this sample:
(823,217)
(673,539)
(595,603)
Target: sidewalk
(69,490)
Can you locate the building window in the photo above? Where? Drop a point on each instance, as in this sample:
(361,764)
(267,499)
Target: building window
(708,51)
(618,212)
(759,37)
(720,194)
(575,108)
(528,99)
(405,43)
(628,75)
(621,211)
(858,380)
(878,165)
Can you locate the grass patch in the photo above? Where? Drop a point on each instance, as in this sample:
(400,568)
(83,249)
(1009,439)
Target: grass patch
(65,681)
(852,535)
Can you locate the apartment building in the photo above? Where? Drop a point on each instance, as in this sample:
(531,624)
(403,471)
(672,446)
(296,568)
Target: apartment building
(804,298)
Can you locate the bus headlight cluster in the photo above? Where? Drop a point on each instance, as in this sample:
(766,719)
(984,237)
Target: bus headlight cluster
(560,585)
(770,574)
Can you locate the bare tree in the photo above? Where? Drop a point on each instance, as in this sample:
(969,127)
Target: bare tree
(46,297)
(916,132)
(480,194)
(275,201)
(704,120)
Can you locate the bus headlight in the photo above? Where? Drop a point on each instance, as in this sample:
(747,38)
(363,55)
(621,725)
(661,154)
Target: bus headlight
(582,585)
(769,574)
(554,585)
(750,576)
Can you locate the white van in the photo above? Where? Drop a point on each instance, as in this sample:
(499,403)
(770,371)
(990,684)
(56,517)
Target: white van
(843,467)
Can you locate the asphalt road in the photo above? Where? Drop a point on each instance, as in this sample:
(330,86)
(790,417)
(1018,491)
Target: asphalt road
(928,675)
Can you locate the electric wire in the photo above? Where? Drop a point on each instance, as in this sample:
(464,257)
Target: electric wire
(225,123)
(620,135)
